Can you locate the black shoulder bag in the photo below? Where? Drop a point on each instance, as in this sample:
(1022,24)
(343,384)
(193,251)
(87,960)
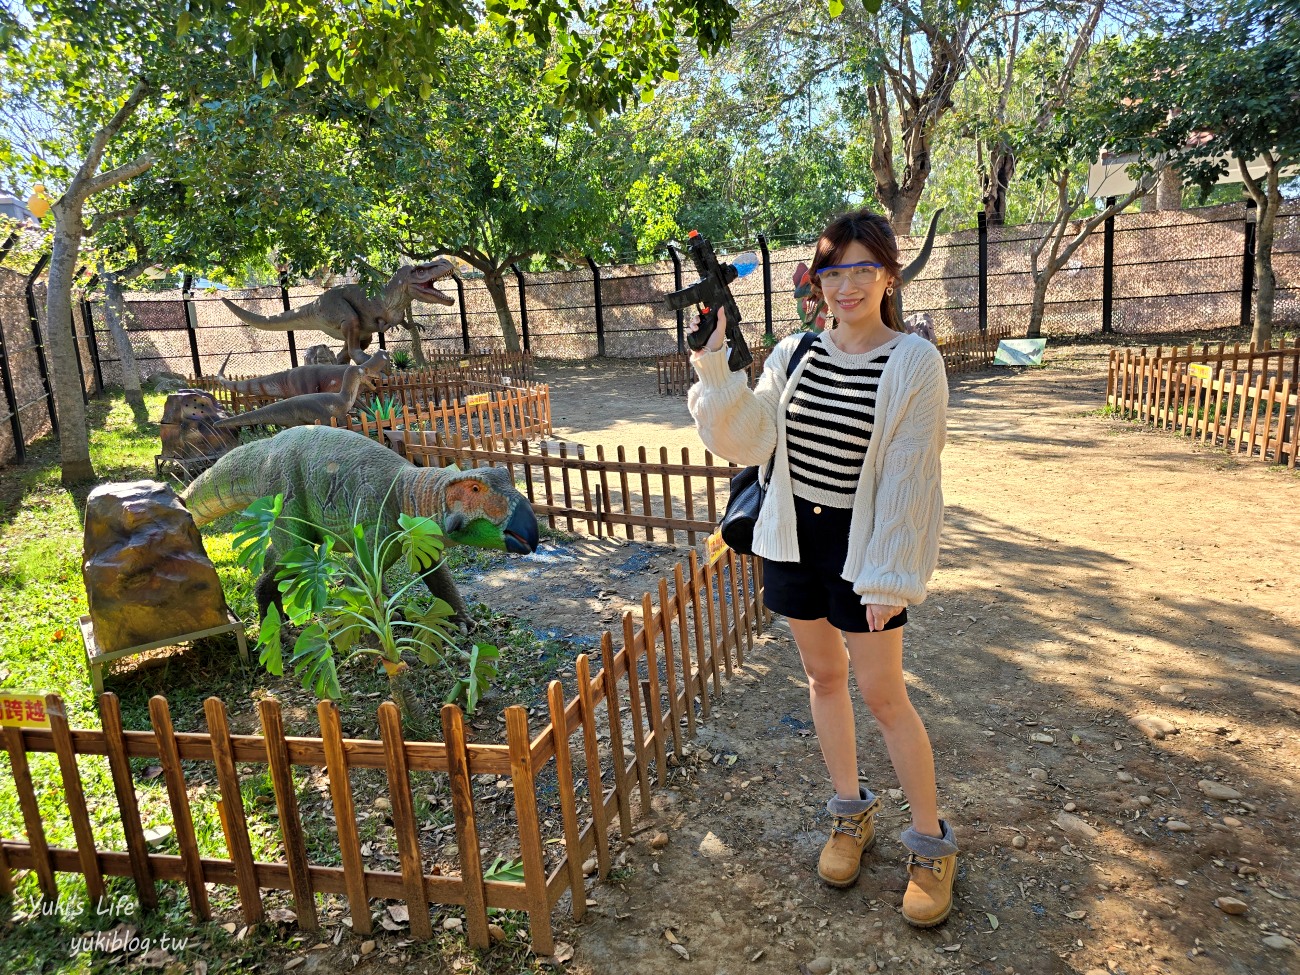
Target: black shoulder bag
(747,491)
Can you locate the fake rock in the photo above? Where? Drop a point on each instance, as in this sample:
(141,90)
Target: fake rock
(146,573)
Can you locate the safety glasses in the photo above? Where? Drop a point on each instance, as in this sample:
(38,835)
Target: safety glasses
(862,274)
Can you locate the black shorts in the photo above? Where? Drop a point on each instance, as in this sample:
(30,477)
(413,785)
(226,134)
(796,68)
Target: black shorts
(812,588)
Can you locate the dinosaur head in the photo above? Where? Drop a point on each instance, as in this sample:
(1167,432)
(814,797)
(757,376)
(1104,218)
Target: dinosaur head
(812,310)
(419,280)
(481,507)
(375,365)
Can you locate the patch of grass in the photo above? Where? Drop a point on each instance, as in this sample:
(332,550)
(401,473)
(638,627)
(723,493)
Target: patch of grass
(42,597)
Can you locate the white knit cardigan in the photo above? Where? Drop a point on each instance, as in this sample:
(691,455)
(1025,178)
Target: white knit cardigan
(898,505)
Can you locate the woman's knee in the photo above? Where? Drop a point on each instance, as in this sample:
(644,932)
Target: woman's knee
(888,705)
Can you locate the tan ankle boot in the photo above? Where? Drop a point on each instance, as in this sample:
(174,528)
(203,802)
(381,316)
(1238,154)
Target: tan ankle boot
(853,832)
(928,898)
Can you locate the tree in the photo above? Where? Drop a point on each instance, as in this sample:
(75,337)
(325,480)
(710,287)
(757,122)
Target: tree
(1075,122)
(96,64)
(1223,84)
(490,172)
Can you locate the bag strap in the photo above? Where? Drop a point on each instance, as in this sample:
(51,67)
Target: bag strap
(805,343)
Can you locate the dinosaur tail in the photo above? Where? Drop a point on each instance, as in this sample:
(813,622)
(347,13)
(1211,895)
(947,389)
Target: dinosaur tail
(285,413)
(283,322)
(221,373)
(229,485)
(913,269)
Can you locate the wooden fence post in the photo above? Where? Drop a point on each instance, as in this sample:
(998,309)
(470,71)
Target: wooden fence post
(530,832)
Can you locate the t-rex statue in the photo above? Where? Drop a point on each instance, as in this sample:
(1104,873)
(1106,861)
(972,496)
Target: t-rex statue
(339,478)
(346,312)
(812,313)
(297,411)
(306,379)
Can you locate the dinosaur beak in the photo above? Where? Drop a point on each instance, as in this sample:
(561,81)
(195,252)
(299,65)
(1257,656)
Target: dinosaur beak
(520,532)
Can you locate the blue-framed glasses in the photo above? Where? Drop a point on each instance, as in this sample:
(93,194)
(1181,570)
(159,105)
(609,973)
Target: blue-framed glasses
(862,274)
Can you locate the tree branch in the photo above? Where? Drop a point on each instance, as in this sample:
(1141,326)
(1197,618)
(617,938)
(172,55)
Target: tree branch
(121,174)
(82,183)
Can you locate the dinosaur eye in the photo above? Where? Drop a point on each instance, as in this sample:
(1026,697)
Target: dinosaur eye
(475,488)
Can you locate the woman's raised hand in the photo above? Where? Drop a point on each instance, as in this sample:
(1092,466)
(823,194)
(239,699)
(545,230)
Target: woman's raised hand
(719,336)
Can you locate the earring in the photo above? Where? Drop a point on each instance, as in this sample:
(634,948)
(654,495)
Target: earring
(890,291)
(834,323)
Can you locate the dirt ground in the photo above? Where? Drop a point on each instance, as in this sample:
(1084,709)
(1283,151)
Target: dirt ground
(1092,572)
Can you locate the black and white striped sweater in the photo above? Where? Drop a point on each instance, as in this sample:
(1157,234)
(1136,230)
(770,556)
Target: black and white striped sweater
(829,421)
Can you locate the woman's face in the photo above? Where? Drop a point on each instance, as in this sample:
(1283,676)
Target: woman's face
(855,297)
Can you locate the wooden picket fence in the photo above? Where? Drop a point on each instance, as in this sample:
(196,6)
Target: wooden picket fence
(972,351)
(494,419)
(449,379)
(572,489)
(1245,400)
(663,670)
(676,375)
(967,352)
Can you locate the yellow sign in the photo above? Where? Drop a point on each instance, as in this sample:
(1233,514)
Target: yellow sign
(478,399)
(716,547)
(1202,370)
(464,363)
(22,709)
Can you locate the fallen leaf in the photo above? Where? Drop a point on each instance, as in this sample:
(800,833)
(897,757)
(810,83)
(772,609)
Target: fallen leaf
(563,952)
(399,912)
(58,634)
(152,772)
(956,947)
(685,955)
(672,938)
(757,955)
(993,922)
(1077,915)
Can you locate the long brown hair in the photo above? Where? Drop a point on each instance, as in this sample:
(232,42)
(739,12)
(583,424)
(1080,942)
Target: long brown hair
(873,232)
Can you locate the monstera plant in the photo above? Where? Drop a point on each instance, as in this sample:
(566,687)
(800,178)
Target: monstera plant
(333,592)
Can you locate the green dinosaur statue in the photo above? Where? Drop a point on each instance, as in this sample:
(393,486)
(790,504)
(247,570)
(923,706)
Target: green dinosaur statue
(346,312)
(338,478)
(304,379)
(297,411)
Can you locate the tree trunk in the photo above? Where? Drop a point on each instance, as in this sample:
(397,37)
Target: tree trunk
(60,345)
(1002,166)
(1265,280)
(1039,306)
(417,349)
(902,210)
(1169,191)
(117,314)
(497,289)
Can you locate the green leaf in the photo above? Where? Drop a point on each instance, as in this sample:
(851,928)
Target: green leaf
(836,7)
(268,639)
(422,541)
(252,534)
(510,871)
(313,663)
(183,23)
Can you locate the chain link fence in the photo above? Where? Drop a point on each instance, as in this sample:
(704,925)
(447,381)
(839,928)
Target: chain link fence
(1161,272)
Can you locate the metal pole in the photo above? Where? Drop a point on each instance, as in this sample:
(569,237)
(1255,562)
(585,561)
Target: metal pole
(88,321)
(188,304)
(284,303)
(34,319)
(464,319)
(1108,272)
(677,286)
(600,308)
(1248,267)
(523,306)
(7,246)
(982,222)
(767,285)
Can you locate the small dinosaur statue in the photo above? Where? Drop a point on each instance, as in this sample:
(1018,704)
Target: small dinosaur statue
(305,379)
(346,312)
(812,313)
(338,478)
(297,411)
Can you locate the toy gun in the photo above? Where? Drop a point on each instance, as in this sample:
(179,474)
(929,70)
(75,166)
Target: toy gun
(711,292)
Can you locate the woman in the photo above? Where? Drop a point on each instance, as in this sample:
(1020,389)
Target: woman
(849,528)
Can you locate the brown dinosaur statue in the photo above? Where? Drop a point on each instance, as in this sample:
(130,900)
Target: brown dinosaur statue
(306,379)
(346,312)
(297,411)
